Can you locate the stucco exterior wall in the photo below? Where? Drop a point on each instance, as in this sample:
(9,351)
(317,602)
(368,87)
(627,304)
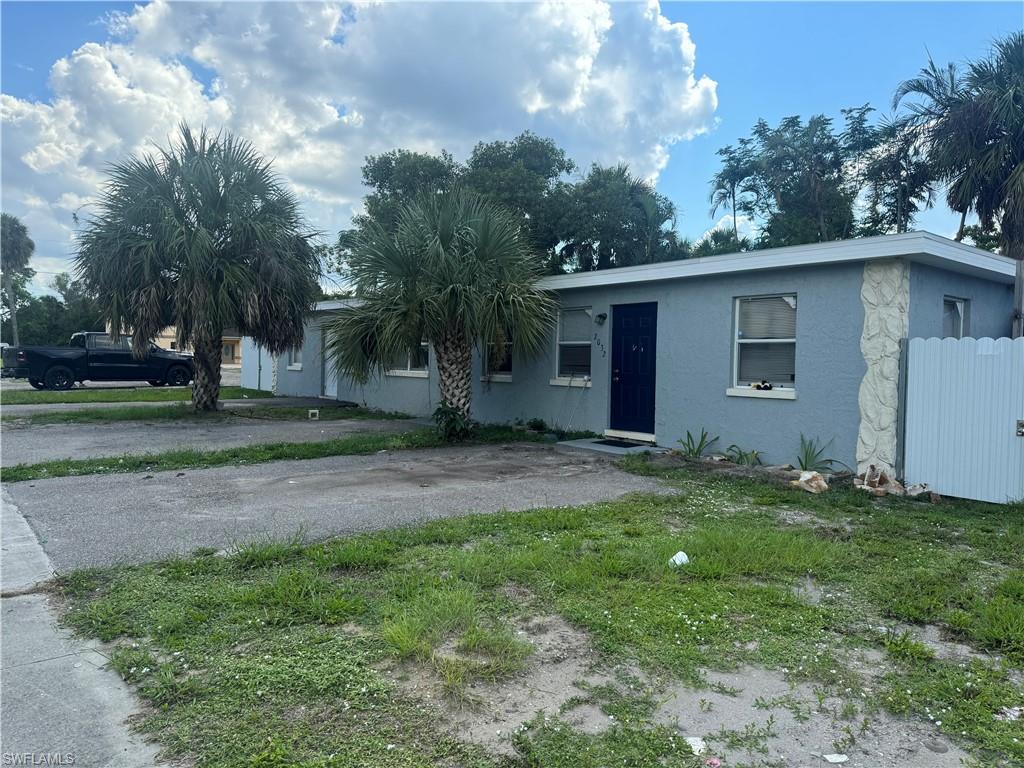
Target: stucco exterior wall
(257,371)
(694,365)
(695,359)
(989,310)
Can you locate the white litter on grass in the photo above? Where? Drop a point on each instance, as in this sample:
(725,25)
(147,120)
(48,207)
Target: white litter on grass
(836,759)
(697,744)
(679,558)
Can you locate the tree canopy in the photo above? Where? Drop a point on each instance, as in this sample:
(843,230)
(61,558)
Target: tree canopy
(202,235)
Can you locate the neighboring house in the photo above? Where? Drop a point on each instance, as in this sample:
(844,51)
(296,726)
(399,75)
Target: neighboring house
(652,351)
(231,345)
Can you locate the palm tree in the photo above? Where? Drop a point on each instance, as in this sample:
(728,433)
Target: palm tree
(899,178)
(16,249)
(456,272)
(204,236)
(973,127)
(726,185)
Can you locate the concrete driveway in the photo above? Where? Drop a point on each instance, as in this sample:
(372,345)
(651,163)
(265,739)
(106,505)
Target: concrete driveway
(21,444)
(105,519)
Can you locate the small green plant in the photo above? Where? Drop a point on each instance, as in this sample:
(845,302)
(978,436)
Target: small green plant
(695,447)
(812,458)
(903,645)
(749,458)
(452,424)
(537,425)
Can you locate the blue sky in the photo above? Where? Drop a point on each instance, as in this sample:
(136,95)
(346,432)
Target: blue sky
(772,60)
(389,77)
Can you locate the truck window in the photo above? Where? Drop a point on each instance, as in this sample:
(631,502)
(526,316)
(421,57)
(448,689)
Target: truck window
(78,340)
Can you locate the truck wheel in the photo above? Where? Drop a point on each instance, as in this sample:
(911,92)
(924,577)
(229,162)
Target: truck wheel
(36,384)
(60,377)
(178,376)
(155,383)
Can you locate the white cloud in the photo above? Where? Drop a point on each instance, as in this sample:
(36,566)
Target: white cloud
(319,86)
(744,225)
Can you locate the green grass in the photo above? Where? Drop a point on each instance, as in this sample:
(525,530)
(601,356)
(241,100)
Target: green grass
(120,395)
(252,659)
(184,412)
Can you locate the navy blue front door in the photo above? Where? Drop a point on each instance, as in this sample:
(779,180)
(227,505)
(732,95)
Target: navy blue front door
(634,350)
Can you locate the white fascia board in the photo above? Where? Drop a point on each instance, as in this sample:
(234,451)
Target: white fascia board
(923,247)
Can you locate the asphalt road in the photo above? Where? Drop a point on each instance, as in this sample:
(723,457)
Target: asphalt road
(105,519)
(230,376)
(21,444)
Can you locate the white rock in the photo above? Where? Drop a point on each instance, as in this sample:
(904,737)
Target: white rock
(679,558)
(697,744)
(812,482)
(836,759)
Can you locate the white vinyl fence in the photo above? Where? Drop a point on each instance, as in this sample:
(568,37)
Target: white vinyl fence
(964,412)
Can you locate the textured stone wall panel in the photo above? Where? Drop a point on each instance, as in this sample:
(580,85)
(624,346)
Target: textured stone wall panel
(885,294)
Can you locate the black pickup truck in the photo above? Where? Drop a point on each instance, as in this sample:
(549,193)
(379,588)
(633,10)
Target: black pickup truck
(95,357)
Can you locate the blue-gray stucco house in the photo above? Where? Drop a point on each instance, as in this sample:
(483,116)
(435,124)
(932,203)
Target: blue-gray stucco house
(651,352)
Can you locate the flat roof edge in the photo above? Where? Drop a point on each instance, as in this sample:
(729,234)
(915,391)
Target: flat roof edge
(923,247)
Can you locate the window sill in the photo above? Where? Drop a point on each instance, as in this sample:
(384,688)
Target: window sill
(295,367)
(504,378)
(764,394)
(408,374)
(563,381)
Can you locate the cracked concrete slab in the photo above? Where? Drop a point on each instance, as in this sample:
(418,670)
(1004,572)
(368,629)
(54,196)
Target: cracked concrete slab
(108,519)
(32,444)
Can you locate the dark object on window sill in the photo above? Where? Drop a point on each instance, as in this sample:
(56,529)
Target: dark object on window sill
(764,385)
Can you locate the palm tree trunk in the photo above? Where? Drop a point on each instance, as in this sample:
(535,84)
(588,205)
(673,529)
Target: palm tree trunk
(960,231)
(455,368)
(206,384)
(735,226)
(9,287)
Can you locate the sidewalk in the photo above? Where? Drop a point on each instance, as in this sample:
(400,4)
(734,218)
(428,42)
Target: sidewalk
(58,701)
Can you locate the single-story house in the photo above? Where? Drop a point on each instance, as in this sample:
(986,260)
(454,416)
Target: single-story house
(756,348)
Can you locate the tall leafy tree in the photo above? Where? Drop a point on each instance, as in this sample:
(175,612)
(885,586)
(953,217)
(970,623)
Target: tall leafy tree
(50,320)
(900,180)
(614,219)
(524,176)
(456,271)
(16,249)
(973,127)
(202,235)
(397,177)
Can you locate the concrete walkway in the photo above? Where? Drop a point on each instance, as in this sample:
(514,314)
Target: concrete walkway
(31,444)
(60,700)
(270,402)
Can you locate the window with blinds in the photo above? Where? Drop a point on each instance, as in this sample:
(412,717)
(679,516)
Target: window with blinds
(766,341)
(575,327)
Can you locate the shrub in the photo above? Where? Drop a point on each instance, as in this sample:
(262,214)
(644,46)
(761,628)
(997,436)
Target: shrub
(696,447)
(452,424)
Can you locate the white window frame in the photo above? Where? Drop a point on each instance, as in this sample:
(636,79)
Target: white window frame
(499,376)
(560,380)
(778,391)
(409,372)
(963,305)
(295,358)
